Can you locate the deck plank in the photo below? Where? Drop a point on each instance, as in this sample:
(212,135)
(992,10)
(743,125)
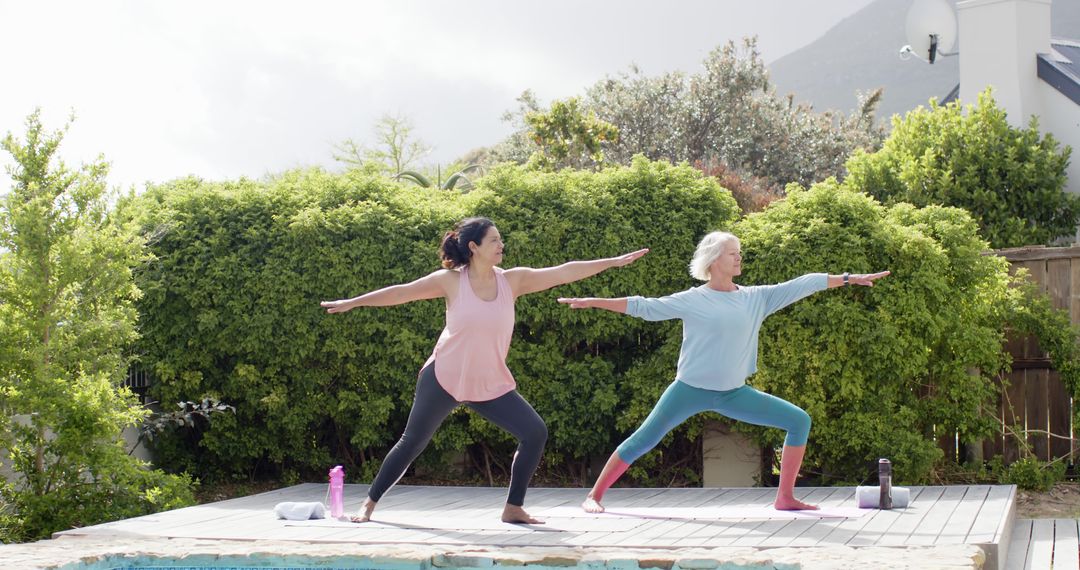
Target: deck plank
(922,498)
(646,532)
(1066,545)
(1041,548)
(963,517)
(998,502)
(721,533)
(1018,545)
(780,532)
(891,521)
(696,532)
(840,532)
(676,528)
(938,516)
(843,496)
(604,534)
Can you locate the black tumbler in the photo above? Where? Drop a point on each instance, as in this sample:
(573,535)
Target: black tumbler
(884,473)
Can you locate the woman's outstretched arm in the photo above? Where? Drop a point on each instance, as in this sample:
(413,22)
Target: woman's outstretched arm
(431,286)
(864,279)
(614,305)
(525,280)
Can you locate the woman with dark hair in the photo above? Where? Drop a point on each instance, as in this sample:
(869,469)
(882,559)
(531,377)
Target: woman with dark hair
(721,321)
(468,365)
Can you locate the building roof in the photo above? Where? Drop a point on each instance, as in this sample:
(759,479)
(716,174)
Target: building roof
(951,96)
(1061,68)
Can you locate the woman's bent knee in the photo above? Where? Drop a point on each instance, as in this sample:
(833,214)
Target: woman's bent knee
(539,432)
(799,430)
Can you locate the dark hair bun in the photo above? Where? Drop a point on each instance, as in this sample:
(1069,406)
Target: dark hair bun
(455,250)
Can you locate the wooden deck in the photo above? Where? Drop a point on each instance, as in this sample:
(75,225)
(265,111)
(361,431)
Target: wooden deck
(979,515)
(1044,543)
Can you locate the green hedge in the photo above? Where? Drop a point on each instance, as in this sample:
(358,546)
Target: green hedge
(881,370)
(230,309)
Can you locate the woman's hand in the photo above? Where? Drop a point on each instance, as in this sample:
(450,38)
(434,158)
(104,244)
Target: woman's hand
(339,306)
(866,279)
(614,305)
(578,302)
(629,258)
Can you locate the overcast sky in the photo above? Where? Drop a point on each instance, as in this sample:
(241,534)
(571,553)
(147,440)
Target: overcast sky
(227,88)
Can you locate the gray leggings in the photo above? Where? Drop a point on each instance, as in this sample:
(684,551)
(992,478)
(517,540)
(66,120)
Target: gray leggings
(432,404)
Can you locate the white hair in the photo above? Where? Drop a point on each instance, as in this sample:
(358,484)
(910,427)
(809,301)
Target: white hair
(710,248)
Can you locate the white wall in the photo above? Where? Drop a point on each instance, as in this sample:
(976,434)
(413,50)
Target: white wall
(1061,116)
(999,42)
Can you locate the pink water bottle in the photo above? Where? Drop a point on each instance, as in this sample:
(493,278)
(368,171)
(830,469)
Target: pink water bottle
(337,492)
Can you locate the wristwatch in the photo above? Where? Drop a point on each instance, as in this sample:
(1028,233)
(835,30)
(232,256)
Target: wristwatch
(846,276)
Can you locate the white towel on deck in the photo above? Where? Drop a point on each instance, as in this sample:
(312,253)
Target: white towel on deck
(869,497)
(299,511)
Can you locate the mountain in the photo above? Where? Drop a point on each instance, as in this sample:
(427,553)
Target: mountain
(861,53)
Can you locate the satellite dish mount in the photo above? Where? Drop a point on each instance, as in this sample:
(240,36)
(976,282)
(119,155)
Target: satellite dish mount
(931,30)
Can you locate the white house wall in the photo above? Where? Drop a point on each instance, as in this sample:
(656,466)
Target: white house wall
(1061,116)
(999,44)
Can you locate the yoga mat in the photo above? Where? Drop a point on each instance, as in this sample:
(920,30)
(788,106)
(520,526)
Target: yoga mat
(705,513)
(388,521)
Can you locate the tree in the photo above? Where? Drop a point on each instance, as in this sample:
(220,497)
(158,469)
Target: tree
(1011,180)
(395,146)
(728,113)
(568,136)
(519,146)
(67,317)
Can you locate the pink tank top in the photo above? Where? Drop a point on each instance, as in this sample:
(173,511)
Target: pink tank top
(470,356)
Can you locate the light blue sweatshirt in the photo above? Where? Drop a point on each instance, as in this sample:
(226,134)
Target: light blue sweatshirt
(720,329)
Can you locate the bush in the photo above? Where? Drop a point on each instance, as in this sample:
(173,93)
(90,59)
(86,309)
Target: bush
(119,488)
(231,313)
(1031,474)
(230,310)
(1011,180)
(878,369)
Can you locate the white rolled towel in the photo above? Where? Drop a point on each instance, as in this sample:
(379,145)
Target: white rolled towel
(868,497)
(299,511)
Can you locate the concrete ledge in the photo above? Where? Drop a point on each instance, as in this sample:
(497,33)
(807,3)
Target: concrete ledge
(101,553)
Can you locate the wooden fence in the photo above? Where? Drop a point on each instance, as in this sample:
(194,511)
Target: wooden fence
(1035,396)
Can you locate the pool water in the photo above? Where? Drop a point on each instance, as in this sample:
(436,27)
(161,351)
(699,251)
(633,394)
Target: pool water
(268,562)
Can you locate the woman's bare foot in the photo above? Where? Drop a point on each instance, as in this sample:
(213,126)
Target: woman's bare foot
(792,504)
(516,514)
(591,505)
(364,515)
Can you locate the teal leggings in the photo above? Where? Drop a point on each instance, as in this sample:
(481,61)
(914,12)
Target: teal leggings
(680,401)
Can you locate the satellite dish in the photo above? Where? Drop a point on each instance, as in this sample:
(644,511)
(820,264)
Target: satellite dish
(931,29)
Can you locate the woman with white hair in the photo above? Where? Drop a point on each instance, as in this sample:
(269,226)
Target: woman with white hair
(721,321)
